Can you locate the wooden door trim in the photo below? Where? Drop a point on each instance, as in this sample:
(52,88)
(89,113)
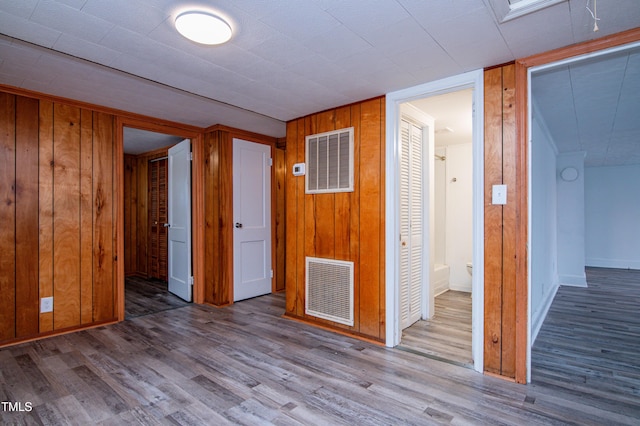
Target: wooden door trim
(197,200)
(522,124)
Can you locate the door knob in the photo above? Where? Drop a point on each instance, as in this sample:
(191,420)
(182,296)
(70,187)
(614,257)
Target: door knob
(166,225)
(238,225)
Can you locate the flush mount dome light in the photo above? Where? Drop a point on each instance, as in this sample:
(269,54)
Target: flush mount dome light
(203,27)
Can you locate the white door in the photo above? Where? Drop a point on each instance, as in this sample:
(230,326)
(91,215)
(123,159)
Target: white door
(252,219)
(179,213)
(411,223)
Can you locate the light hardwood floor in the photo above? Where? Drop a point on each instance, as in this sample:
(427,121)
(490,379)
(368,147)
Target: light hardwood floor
(245,364)
(447,336)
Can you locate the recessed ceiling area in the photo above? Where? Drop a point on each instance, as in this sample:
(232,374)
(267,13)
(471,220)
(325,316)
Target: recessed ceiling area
(453,116)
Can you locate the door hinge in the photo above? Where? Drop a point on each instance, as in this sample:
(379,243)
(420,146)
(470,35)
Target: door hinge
(272,273)
(270,162)
(191,280)
(191,156)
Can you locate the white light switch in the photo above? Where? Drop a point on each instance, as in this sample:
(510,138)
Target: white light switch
(46,304)
(499,195)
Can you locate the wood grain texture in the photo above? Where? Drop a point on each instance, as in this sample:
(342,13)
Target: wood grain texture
(66,208)
(291,218)
(104,220)
(202,365)
(446,336)
(7,216)
(86,217)
(45,210)
(492,221)
(280,167)
(509,222)
(142,215)
(340,226)
(27,305)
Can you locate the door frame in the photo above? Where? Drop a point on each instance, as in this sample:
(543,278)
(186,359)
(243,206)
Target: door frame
(524,68)
(475,80)
(197,200)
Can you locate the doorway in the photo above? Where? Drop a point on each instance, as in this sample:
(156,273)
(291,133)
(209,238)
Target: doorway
(473,82)
(146,190)
(252,219)
(583,168)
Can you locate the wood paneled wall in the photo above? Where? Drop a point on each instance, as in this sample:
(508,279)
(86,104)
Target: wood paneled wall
(343,226)
(218,212)
(505,266)
(136,214)
(57,216)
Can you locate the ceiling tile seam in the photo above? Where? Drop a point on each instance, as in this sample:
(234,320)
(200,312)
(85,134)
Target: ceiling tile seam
(106,67)
(431,35)
(615,114)
(575,109)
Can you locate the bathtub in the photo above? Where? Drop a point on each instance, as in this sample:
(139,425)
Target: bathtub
(440,279)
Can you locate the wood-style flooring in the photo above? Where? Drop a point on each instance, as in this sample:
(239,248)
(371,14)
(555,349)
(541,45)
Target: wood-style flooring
(245,364)
(148,296)
(589,344)
(446,336)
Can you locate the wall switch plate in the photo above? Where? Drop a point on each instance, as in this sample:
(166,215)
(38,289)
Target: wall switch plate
(46,304)
(499,194)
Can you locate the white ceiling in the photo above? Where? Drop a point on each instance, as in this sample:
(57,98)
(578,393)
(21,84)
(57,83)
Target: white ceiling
(287,58)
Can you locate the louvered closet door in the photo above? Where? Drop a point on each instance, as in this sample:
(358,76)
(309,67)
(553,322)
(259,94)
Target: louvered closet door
(157,219)
(411,223)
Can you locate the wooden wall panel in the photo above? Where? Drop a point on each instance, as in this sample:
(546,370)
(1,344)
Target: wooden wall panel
(502,223)
(371,185)
(86,217)
(280,197)
(66,208)
(26,191)
(291,218)
(493,221)
(130,214)
(45,210)
(340,226)
(7,216)
(142,213)
(104,218)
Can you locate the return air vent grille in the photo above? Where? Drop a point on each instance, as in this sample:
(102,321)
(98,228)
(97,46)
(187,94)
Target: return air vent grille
(329,159)
(329,290)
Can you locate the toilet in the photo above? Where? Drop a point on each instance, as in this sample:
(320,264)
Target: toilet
(470,268)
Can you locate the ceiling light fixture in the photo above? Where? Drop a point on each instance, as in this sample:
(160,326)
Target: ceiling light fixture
(203,27)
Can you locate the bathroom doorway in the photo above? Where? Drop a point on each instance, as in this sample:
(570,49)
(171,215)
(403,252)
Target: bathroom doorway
(446,334)
(450,327)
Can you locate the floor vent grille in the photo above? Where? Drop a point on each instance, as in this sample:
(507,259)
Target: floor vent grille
(329,290)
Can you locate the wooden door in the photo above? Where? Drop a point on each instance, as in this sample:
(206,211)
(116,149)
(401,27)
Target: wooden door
(157,218)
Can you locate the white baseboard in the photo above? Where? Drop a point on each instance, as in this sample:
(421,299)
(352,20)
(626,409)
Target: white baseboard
(538,317)
(613,263)
(573,280)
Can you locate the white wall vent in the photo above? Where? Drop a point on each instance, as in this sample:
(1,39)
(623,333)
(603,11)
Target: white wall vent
(329,159)
(329,290)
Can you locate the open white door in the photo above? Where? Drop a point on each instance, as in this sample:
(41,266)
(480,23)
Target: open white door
(179,206)
(252,219)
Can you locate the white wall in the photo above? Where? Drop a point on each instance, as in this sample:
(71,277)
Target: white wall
(612,222)
(439,210)
(544,224)
(571,227)
(459,211)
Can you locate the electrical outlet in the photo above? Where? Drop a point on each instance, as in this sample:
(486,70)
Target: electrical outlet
(46,304)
